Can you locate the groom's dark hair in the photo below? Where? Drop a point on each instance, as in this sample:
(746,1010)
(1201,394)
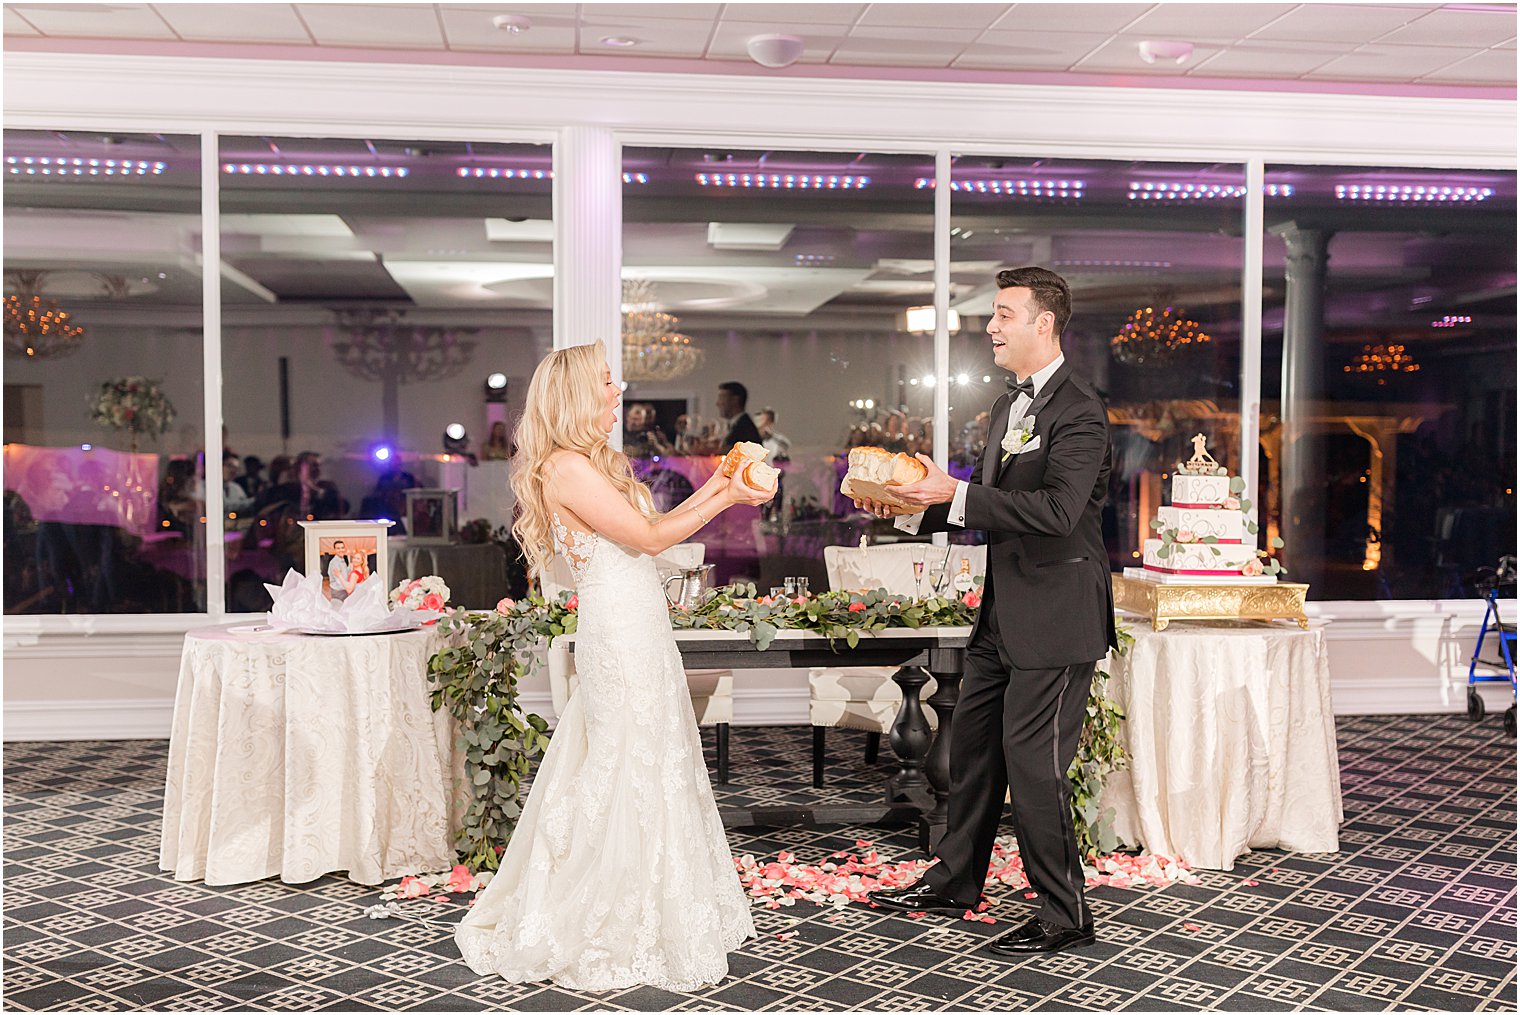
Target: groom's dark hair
(1048,291)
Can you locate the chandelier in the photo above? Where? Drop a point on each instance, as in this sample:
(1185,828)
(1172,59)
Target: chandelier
(381,344)
(36,327)
(653,350)
(1151,338)
(1379,359)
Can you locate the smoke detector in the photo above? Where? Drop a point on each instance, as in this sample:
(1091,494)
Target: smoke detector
(775,50)
(1152,50)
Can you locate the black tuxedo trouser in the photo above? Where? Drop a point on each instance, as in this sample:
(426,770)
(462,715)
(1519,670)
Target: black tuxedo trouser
(1015,731)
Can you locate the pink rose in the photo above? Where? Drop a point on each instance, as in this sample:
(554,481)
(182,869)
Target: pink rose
(504,605)
(1186,536)
(857,607)
(432,601)
(1252,568)
(574,603)
(1232,503)
(972,598)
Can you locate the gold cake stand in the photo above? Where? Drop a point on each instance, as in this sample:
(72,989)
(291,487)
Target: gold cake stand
(1164,603)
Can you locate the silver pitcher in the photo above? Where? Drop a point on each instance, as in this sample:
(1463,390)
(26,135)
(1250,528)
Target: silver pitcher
(694,588)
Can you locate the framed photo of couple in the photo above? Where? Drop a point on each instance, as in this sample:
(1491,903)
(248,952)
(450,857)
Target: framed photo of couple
(431,516)
(347,554)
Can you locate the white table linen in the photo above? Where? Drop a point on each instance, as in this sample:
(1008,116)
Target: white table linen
(297,755)
(1231,742)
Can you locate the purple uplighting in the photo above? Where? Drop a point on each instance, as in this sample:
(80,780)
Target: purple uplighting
(42,165)
(321,169)
(1411,192)
(783,181)
(1012,188)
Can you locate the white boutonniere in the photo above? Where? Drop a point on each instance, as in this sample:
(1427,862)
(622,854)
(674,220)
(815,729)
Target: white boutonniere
(1020,438)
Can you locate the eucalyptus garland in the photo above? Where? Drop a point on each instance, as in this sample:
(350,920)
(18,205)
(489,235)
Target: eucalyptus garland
(476,678)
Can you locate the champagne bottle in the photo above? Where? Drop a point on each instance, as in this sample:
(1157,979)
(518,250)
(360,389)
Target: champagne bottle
(963,580)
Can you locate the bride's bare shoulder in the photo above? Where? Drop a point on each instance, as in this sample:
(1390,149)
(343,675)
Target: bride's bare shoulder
(564,461)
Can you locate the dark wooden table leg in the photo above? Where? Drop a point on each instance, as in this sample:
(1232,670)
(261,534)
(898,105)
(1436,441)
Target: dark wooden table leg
(910,738)
(945,665)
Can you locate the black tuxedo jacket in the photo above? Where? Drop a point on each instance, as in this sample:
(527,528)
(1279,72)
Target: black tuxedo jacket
(1042,512)
(744,429)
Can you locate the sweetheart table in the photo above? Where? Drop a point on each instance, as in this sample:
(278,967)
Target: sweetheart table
(918,790)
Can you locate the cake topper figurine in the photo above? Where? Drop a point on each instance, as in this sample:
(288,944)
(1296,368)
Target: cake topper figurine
(1202,463)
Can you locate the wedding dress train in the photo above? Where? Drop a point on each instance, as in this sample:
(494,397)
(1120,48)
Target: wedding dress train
(618,872)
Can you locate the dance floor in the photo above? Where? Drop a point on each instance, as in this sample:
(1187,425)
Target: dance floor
(1416,911)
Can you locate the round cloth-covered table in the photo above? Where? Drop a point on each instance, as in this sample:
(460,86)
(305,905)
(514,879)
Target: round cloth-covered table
(1231,742)
(299,755)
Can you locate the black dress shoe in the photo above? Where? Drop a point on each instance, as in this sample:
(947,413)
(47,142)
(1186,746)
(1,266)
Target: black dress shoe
(917,898)
(1037,936)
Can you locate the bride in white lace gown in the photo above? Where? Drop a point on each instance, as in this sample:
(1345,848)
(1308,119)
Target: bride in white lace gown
(618,872)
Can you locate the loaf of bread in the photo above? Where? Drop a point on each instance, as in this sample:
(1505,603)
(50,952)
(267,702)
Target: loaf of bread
(874,472)
(878,465)
(744,451)
(759,476)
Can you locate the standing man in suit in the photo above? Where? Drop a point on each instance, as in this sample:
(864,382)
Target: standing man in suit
(732,398)
(1046,618)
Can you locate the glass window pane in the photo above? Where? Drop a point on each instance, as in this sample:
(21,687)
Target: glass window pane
(1388,378)
(1152,253)
(104,502)
(384,304)
(791,273)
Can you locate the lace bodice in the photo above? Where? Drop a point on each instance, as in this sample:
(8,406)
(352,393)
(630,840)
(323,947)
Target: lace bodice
(575,546)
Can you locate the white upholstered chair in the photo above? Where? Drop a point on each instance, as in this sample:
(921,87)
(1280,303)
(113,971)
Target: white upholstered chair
(866,697)
(712,691)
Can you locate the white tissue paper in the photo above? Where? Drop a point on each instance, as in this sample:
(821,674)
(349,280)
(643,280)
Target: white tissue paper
(299,605)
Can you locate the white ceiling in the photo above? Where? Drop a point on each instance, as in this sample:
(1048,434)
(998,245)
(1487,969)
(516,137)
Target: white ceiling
(1374,44)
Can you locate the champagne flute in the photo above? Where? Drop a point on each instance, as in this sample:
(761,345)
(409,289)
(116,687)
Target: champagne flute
(939,573)
(918,552)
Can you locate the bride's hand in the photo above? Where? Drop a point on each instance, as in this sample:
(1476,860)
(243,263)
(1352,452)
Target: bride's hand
(741,492)
(716,482)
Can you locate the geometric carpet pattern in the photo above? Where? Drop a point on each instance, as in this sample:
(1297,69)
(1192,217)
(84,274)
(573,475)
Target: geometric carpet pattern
(1416,911)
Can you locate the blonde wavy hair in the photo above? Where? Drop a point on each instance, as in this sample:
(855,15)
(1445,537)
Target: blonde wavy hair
(563,413)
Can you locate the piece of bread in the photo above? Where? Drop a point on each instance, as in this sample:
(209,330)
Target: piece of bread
(739,454)
(875,471)
(759,476)
(878,465)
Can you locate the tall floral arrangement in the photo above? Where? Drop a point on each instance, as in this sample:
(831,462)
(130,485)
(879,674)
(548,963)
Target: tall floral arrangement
(135,404)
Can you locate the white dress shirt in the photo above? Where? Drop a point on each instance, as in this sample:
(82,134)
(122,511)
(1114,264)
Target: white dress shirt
(1021,404)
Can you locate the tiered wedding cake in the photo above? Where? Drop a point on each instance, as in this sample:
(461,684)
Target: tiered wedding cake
(1206,532)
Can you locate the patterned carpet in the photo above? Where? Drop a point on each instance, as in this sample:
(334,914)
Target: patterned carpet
(1416,911)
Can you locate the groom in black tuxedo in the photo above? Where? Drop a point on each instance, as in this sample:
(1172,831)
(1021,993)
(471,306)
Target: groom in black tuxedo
(1045,620)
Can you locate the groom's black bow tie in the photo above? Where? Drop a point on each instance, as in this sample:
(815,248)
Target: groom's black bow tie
(1024,387)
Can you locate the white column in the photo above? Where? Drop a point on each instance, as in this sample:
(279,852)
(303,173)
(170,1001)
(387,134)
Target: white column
(211,373)
(588,244)
(1250,331)
(942,175)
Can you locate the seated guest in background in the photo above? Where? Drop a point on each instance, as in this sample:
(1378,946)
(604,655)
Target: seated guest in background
(388,499)
(739,427)
(307,494)
(279,471)
(684,437)
(776,443)
(252,480)
(234,497)
(498,445)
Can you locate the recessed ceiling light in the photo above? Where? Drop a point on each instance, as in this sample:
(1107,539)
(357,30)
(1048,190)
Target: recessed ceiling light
(514,23)
(619,41)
